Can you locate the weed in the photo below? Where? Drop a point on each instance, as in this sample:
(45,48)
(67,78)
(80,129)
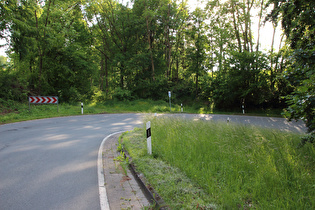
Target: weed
(123,161)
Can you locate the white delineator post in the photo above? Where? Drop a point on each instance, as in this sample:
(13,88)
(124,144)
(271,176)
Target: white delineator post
(169,96)
(149,145)
(81,108)
(243,106)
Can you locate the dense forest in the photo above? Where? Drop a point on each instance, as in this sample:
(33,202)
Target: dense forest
(105,49)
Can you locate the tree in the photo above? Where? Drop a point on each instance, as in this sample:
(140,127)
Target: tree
(298,23)
(241,72)
(196,45)
(50,45)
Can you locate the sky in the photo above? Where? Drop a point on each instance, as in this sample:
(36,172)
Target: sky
(265,37)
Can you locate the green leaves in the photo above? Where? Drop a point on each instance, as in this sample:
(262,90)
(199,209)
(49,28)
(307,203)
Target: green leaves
(298,22)
(69,48)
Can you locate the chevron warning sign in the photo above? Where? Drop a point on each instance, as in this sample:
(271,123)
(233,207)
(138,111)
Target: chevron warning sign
(43,99)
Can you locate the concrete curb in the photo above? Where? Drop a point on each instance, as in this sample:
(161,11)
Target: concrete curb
(152,196)
(119,188)
(104,204)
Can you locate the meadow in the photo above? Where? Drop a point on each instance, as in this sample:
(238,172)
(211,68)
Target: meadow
(228,166)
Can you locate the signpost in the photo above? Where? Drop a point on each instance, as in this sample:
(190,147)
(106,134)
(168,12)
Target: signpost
(169,95)
(243,106)
(43,100)
(149,145)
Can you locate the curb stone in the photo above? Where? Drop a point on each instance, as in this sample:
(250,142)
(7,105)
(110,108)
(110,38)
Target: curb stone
(123,191)
(148,190)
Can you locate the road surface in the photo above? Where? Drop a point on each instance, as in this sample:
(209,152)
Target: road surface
(52,163)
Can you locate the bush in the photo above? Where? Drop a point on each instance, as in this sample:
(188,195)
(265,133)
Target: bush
(310,138)
(123,95)
(10,87)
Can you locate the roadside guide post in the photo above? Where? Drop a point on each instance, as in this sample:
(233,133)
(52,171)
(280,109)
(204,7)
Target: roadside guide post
(243,107)
(149,145)
(169,96)
(181,107)
(81,108)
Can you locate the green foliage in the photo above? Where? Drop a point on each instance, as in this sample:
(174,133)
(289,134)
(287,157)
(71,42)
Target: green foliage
(102,50)
(245,81)
(3,62)
(310,138)
(298,23)
(50,47)
(238,166)
(10,87)
(122,95)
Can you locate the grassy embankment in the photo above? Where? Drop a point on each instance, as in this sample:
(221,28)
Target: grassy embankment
(225,166)
(11,111)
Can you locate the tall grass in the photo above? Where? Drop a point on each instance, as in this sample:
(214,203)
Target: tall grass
(240,166)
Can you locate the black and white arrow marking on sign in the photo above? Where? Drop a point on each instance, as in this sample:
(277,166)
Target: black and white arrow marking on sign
(148,125)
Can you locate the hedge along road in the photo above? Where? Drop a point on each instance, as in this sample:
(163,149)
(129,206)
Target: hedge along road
(52,163)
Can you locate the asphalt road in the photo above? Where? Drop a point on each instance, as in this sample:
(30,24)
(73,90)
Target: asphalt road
(52,163)
(266,122)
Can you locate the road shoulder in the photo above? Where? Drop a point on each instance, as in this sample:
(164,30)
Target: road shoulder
(122,189)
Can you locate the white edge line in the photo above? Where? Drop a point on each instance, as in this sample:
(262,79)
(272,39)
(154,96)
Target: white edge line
(100,173)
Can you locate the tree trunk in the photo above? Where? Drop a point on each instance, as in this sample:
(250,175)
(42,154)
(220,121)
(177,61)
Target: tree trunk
(168,45)
(236,29)
(150,48)
(259,24)
(101,79)
(106,76)
(40,73)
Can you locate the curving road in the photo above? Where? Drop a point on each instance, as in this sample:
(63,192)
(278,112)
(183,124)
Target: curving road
(52,163)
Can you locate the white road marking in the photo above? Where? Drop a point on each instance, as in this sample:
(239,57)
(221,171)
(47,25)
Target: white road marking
(100,173)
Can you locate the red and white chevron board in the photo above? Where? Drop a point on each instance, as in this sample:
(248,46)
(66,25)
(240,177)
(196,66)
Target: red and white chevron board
(43,99)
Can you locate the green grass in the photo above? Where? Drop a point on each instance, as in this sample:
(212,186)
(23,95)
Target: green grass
(11,111)
(176,189)
(236,166)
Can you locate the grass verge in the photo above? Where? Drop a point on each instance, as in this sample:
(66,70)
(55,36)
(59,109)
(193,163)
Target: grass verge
(225,166)
(176,189)
(11,111)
